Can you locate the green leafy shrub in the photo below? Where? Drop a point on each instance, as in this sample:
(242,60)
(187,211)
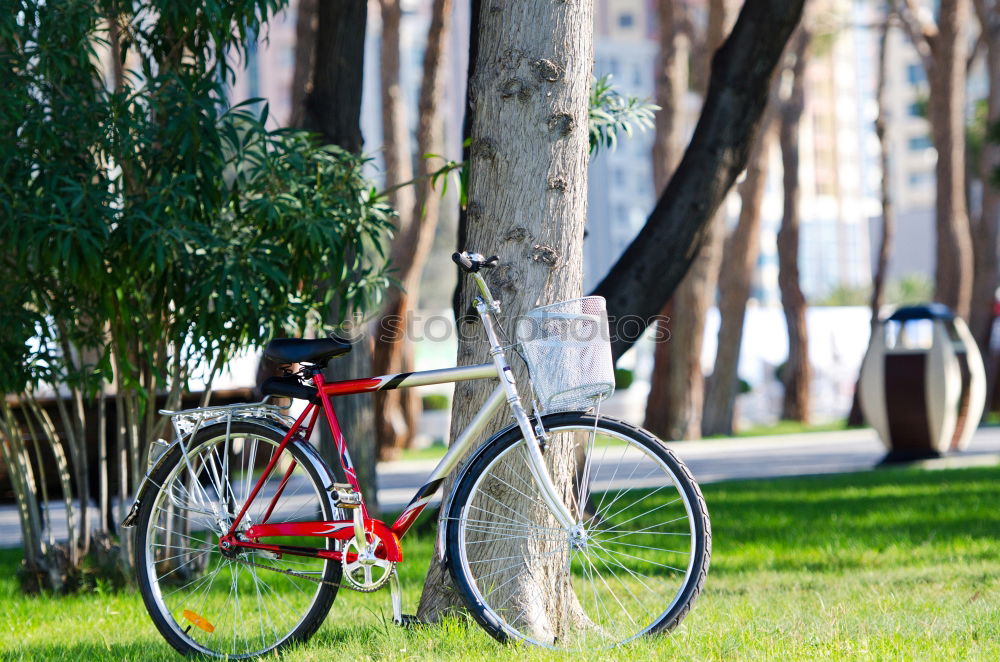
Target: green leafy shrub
(151,231)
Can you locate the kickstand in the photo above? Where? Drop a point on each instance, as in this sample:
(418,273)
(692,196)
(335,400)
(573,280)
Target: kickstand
(398,617)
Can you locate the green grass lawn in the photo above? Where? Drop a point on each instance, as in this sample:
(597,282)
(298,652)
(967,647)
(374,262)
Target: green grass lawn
(887,565)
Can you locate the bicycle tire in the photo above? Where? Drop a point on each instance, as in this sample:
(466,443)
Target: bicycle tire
(177,628)
(471,529)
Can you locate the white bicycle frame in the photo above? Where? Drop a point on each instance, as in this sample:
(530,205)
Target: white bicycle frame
(507,391)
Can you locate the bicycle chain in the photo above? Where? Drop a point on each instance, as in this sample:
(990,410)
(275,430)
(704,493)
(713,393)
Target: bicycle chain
(316,580)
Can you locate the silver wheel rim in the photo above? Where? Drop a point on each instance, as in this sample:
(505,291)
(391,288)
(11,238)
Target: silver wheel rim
(252,610)
(611,575)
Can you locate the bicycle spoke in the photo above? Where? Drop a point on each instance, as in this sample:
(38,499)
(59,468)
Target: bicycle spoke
(595,585)
(249,612)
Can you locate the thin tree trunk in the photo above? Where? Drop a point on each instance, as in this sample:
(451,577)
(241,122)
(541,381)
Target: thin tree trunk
(306,25)
(855,417)
(953,277)
(64,471)
(888,211)
(527,193)
(37,564)
(985,277)
(943,47)
(398,411)
(395,125)
(796,373)
(739,256)
(648,272)
(104,495)
(677,385)
(672,83)
(671,89)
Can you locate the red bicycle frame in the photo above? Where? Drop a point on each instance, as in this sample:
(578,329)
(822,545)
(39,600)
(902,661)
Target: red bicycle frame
(389,548)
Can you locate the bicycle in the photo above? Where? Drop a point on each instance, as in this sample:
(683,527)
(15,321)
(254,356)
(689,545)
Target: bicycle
(566,529)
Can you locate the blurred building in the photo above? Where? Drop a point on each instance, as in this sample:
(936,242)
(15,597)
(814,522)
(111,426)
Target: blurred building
(912,159)
(267,71)
(838,159)
(621,191)
(839,169)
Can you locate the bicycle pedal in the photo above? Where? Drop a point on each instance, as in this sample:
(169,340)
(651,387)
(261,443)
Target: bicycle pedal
(408,621)
(344,496)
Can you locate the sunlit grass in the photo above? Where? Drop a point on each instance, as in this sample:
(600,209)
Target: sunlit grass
(887,565)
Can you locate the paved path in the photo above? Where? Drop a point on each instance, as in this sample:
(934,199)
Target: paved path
(710,461)
(747,457)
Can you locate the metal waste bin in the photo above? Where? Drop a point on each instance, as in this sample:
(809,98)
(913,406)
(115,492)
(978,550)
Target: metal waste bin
(923,386)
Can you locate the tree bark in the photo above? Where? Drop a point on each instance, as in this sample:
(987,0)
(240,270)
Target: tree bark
(677,385)
(527,187)
(393,426)
(332,108)
(648,272)
(672,83)
(306,25)
(888,211)
(796,374)
(943,49)
(671,87)
(740,253)
(398,411)
(953,276)
(855,416)
(395,123)
(985,277)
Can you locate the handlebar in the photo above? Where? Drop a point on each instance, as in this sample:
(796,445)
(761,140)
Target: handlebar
(473,262)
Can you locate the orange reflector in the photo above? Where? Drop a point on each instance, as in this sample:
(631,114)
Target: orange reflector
(199,621)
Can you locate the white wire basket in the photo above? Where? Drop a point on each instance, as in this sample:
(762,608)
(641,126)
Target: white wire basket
(568,351)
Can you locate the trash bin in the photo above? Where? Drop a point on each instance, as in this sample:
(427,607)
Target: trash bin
(922,386)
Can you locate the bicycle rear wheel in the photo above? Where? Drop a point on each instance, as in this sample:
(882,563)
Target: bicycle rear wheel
(237,605)
(634,563)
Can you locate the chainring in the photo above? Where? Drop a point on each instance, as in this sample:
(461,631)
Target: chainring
(366,573)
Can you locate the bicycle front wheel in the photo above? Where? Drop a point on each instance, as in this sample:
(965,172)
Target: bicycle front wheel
(233,605)
(633,564)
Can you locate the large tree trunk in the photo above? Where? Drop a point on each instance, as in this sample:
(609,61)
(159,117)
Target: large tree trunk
(740,253)
(332,108)
(527,188)
(677,385)
(953,277)
(985,278)
(646,275)
(796,373)
(397,411)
